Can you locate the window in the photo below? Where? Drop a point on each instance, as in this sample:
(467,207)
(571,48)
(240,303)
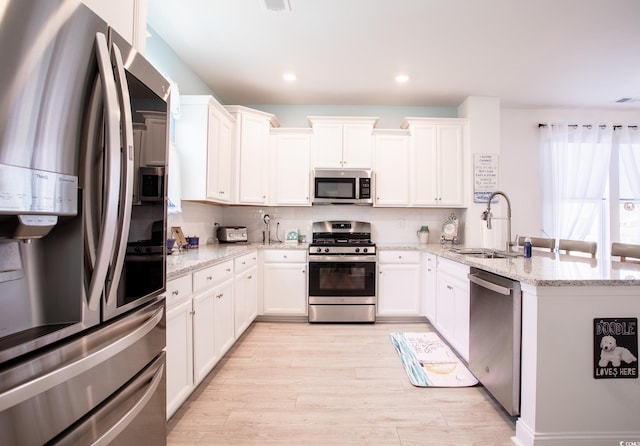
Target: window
(626,170)
(591,183)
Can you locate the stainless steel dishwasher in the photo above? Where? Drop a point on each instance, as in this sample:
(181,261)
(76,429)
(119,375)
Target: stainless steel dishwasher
(494,336)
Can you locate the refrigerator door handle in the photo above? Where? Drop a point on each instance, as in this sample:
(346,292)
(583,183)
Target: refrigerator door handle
(106,247)
(126,185)
(43,383)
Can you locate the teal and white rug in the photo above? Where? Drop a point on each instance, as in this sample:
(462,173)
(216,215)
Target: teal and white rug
(429,362)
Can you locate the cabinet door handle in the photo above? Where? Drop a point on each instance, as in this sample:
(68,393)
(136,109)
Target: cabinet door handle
(175,292)
(209,278)
(449,287)
(192,312)
(249,277)
(219,296)
(228,270)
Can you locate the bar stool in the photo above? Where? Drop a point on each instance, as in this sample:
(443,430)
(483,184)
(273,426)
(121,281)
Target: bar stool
(540,242)
(624,250)
(569,246)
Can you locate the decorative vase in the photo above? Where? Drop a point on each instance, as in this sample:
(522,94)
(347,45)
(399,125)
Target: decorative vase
(423,234)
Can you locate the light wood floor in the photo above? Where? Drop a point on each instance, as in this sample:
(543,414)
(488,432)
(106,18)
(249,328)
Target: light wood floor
(325,384)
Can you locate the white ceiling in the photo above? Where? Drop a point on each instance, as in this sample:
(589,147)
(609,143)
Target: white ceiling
(544,53)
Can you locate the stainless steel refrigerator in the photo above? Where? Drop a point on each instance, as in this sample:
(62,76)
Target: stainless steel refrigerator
(82,255)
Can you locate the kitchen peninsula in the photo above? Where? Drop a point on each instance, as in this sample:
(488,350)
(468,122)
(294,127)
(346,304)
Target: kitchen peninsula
(563,402)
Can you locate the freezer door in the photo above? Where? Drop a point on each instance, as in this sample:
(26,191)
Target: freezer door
(43,396)
(131,417)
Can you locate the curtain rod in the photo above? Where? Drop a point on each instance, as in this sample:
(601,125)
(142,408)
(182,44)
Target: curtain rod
(588,126)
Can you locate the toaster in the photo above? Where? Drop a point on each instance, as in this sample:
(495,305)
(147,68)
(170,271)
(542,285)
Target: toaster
(230,234)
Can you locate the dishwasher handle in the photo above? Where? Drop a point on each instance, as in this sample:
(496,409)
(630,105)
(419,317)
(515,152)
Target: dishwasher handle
(490,285)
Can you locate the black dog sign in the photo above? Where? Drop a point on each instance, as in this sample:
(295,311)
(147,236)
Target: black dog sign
(615,348)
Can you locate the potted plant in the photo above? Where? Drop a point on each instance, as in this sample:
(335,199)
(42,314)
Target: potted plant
(423,234)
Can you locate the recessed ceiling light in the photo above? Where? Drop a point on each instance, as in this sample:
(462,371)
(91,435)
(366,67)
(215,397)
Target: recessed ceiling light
(277,5)
(402,78)
(289,77)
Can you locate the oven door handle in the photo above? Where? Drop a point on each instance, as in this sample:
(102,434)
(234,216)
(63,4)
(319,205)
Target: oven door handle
(341,258)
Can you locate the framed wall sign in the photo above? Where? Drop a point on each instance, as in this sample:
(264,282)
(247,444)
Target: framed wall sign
(615,348)
(485,176)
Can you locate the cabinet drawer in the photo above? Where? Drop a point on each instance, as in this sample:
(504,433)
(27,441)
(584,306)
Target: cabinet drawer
(212,275)
(454,269)
(178,289)
(285,256)
(245,261)
(399,256)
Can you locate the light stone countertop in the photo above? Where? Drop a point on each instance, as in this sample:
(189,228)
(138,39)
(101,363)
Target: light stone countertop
(190,260)
(543,269)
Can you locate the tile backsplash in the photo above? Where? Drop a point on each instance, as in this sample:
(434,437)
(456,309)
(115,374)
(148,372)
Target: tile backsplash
(389,225)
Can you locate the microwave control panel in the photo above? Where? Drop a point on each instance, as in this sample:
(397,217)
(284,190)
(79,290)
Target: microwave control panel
(365,188)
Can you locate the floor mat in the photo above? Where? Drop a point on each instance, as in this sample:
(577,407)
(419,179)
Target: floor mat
(429,362)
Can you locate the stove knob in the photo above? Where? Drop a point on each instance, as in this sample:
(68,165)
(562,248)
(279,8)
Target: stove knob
(326,249)
(137,249)
(358,249)
(366,250)
(148,250)
(318,249)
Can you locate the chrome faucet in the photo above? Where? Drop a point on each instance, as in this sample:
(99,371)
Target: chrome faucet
(487,216)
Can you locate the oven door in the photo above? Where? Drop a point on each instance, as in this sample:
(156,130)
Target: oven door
(342,280)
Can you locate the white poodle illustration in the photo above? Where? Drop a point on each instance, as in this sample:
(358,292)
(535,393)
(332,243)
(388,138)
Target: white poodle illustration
(612,353)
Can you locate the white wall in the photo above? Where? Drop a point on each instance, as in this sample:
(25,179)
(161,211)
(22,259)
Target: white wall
(169,63)
(520,166)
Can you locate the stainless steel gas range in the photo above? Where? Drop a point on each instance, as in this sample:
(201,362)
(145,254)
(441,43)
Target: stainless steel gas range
(342,272)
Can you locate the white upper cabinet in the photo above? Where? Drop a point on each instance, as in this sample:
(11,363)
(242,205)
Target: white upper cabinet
(127,17)
(251,154)
(391,167)
(438,161)
(290,176)
(342,142)
(204,137)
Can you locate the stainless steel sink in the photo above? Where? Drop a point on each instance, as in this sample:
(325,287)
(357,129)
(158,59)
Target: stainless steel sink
(484,253)
(490,255)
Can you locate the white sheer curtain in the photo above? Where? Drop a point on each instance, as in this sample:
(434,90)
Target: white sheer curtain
(626,190)
(575,168)
(627,141)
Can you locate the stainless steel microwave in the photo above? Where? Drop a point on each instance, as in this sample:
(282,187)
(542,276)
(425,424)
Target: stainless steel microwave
(343,186)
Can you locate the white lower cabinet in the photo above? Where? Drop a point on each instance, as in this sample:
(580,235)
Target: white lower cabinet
(206,312)
(246,291)
(213,313)
(179,347)
(204,350)
(431,286)
(223,322)
(399,283)
(452,304)
(284,274)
